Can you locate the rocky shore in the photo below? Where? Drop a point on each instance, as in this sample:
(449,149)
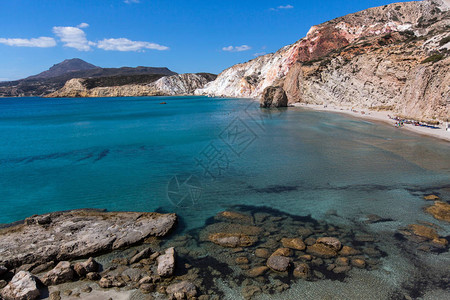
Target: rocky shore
(91,254)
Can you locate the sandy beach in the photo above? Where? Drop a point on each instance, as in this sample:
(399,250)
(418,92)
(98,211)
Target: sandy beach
(382,116)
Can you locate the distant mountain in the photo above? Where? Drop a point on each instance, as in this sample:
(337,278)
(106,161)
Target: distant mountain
(55,78)
(67,66)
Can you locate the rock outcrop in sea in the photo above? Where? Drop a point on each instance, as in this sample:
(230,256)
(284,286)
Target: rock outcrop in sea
(175,85)
(394,57)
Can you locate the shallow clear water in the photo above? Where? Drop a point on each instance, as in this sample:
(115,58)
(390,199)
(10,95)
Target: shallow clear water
(128,153)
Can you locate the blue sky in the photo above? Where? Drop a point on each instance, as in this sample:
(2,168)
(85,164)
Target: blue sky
(183,35)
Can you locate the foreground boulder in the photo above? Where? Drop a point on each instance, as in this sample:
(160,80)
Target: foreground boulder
(63,272)
(166,263)
(23,286)
(181,290)
(78,233)
(273,97)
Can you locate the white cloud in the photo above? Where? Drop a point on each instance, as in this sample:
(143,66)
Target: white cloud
(41,42)
(288,6)
(131,1)
(83,25)
(73,37)
(229,48)
(237,48)
(123,44)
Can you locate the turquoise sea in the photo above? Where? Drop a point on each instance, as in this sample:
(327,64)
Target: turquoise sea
(197,156)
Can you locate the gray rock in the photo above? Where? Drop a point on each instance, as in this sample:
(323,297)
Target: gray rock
(63,272)
(141,255)
(181,290)
(278,263)
(78,233)
(166,263)
(273,96)
(23,286)
(86,267)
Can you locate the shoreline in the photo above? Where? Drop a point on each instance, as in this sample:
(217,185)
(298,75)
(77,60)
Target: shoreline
(381,116)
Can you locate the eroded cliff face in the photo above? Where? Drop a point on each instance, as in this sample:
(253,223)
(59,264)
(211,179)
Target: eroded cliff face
(394,57)
(176,85)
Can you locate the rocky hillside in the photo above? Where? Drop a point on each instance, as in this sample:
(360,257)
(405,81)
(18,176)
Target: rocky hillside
(55,78)
(394,57)
(134,86)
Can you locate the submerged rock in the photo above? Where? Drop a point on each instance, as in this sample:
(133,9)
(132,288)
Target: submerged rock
(23,286)
(78,233)
(232,240)
(182,290)
(440,210)
(166,263)
(295,243)
(348,251)
(234,217)
(110,281)
(331,242)
(257,271)
(321,250)
(423,231)
(278,263)
(302,271)
(431,197)
(262,253)
(342,261)
(359,263)
(282,252)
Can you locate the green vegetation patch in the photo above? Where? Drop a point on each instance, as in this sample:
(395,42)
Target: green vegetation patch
(433,58)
